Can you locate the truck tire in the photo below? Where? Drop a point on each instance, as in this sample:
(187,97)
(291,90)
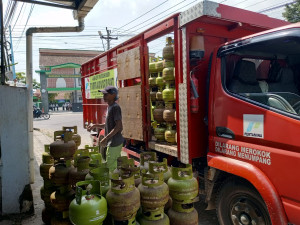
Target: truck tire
(239,203)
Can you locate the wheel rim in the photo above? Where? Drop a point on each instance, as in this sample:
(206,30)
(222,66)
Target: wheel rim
(245,211)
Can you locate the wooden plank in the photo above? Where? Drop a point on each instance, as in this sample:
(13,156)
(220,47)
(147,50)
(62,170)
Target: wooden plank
(164,148)
(131,104)
(129,65)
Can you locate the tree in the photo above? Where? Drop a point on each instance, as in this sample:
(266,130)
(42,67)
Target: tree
(51,97)
(292,12)
(22,79)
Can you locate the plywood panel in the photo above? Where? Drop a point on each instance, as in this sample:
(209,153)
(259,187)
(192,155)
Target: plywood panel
(129,65)
(131,104)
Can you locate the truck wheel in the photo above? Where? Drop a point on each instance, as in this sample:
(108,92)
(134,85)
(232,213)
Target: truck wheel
(240,204)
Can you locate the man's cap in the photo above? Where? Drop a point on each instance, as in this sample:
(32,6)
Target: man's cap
(109,90)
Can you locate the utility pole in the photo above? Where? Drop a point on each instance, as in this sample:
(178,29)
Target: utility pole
(2,46)
(107,38)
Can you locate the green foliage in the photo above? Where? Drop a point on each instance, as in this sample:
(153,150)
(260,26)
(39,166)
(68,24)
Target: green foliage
(292,12)
(67,96)
(22,79)
(51,97)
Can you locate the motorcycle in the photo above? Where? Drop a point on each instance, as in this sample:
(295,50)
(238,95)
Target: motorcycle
(37,113)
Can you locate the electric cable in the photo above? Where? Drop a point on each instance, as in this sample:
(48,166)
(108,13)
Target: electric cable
(17,17)
(143,14)
(158,15)
(163,16)
(29,15)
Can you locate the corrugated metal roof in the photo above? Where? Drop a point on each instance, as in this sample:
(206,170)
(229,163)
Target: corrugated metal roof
(81,7)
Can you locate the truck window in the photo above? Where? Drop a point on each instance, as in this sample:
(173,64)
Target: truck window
(266,73)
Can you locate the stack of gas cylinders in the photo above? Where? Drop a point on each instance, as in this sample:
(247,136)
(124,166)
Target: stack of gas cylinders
(184,192)
(62,150)
(79,188)
(162,95)
(48,187)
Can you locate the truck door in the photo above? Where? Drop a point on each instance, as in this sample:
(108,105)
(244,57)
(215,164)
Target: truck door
(254,112)
(130,60)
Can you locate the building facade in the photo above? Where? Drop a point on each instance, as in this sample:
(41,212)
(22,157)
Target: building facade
(60,74)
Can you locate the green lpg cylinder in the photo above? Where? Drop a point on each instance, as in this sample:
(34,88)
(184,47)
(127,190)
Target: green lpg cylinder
(154,191)
(122,161)
(61,198)
(182,185)
(123,198)
(47,162)
(168,74)
(170,134)
(152,66)
(46,190)
(153,93)
(78,154)
(168,93)
(131,221)
(101,175)
(152,80)
(184,208)
(79,173)
(75,136)
(159,81)
(180,218)
(159,133)
(168,51)
(59,173)
(168,63)
(88,207)
(145,158)
(169,113)
(64,147)
(160,167)
(160,219)
(159,66)
(96,161)
(158,95)
(158,112)
(132,171)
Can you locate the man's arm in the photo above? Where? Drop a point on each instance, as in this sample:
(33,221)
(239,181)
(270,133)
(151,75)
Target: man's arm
(94,126)
(116,129)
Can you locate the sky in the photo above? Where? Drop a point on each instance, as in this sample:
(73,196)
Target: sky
(125,18)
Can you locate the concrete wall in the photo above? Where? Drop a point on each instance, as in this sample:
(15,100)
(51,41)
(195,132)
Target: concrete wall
(14,168)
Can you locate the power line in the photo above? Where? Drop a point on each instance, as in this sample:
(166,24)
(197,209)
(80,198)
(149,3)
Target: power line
(276,7)
(156,16)
(18,17)
(31,9)
(241,2)
(163,16)
(143,14)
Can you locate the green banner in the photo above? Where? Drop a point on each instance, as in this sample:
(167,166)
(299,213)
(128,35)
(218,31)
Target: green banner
(64,89)
(63,75)
(99,81)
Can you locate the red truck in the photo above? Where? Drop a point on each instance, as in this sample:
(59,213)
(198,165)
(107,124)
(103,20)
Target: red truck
(239,131)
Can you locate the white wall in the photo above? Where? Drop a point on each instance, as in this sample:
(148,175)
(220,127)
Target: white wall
(14,168)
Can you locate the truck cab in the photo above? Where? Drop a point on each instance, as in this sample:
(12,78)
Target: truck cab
(254,121)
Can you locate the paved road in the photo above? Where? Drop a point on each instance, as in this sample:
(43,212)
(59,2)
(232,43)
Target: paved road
(44,135)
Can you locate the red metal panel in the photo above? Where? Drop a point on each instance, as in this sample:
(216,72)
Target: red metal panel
(259,180)
(245,16)
(163,27)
